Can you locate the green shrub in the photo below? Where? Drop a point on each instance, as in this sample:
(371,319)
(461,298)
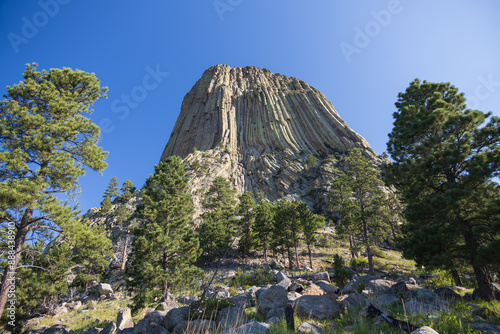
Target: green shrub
(378,252)
(360,262)
(207,308)
(258,278)
(341,274)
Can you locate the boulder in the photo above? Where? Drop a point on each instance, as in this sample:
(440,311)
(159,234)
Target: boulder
(91,330)
(484,313)
(292,295)
(328,289)
(175,316)
(296,287)
(272,301)
(484,327)
(244,299)
(424,330)
(313,290)
(399,289)
(378,287)
(285,282)
(104,289)
(233,316)
(124,319)
(167,306)
(355,299)
(447,294)
(322,276)
(386,299)
(307,327)
(318,307)
(109,329)
(420,307)
(152,323)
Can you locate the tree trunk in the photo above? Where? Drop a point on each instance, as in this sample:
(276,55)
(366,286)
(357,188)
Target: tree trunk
(484,281)
(371,268)
(310,258)
(290,261)
(124,254)
(265,252)
(10,271)
(297,257)
(456,277)
(353,253)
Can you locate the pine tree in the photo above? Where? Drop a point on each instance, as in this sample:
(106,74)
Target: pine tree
(45,144)
(310,223)
(217,229)
(164,245)
(287,229)
(445,158)
(246,209)
(264,218)
(112,189)
(126,191)
(121,214)
(91,248)
(357,195)
(106,205)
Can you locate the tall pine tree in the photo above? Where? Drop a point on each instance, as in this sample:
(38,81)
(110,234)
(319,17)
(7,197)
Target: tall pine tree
(46,141)
(445,159)
(357,195)
(164,245)
(246,209)
(112,189)
(264,218)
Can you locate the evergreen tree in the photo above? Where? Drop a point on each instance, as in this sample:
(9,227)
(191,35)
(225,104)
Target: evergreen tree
(217,229)
(310,223)
(126,191)
(45,144)
(246,209)
(445,158)
(164,245)
(106,205)
(112,189)
(42,278)
(287,229)
(264,218)
(91,249)
(121,214)
(357,195)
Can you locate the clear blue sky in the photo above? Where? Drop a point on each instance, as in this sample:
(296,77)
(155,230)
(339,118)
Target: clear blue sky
(360,54)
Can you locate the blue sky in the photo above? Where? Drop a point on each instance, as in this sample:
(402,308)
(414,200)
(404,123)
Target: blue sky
(360,54)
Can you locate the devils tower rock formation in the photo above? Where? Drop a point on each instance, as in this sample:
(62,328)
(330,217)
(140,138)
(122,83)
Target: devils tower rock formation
(258,129)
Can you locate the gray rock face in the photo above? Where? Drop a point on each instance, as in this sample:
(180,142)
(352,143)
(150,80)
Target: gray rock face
(378,287)
(283,280)
(105,289)
(151,324)
(109,329)
(322,276)
(248,125)
(57,329)
(194,327)
(272,301)
(318,307)
(488,328)
(253,327)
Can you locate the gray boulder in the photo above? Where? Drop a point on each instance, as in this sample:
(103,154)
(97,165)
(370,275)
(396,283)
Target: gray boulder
(322,276)
(175,316)
(313,290)
(447,294)
(420,307)
(124,319)
(424,330)
(318,307)
(152,323)
(57,329)
(293,295)
(307,327)
(484,327)
(296,287)
(109,329)
(167,306)
(355,299)
(272,301)
(232,316)
(253,327)
(328,289)
(378,287)
(104,289)
(386,299)
(244,299)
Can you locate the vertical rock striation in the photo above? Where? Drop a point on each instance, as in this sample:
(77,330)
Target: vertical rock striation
(257,129)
